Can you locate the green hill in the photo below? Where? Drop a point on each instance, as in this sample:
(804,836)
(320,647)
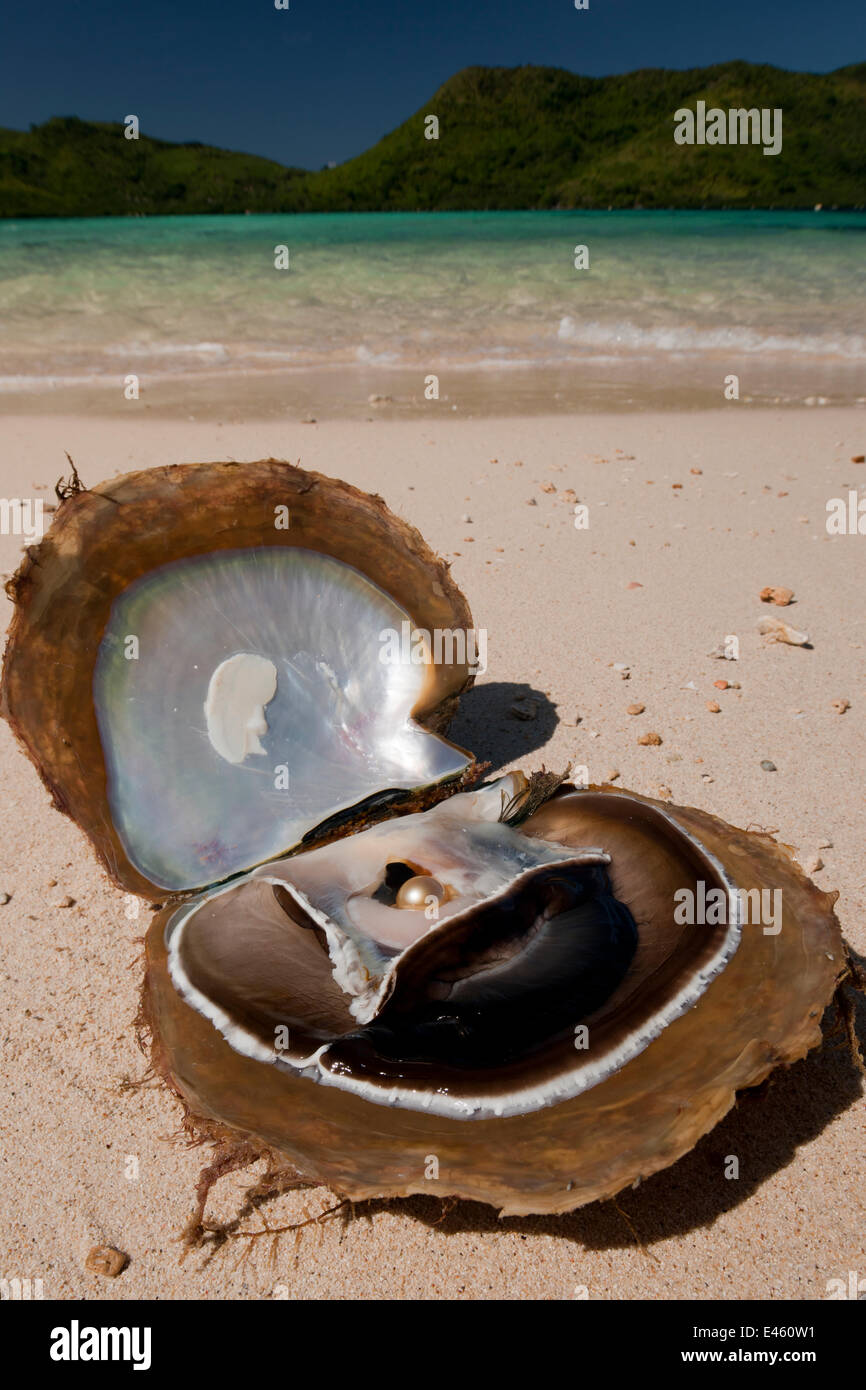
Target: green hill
(527,137)
(72,168)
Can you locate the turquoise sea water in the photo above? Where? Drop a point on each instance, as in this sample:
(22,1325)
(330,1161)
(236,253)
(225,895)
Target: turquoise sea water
(671,300)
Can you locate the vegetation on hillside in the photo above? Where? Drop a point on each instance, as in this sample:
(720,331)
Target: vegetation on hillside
(528,137)
(72,168)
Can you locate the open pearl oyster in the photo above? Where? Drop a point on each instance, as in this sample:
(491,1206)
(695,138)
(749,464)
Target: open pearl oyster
(312,963)
(352,972)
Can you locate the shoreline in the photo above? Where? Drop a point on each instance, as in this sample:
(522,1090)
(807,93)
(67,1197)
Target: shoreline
(360,394)
(828,209)
(232,318)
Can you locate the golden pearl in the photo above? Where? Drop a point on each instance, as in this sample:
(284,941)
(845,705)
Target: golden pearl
(415,892)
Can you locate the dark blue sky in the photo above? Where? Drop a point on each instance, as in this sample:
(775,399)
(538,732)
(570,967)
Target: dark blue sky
(327,78)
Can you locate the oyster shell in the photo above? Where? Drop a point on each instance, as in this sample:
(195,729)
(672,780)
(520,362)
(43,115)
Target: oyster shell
(474,983)
(369,974)
(156,551)
(700,1014)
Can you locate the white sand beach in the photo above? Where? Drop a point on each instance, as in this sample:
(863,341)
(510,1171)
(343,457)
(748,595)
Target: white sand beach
(690,516)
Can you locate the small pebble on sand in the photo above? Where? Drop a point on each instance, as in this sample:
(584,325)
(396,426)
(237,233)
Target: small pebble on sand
(814,865)
(768,766)
(714,707)
(526,709)
(774,594)
(635,709)
(650,740)
(105,1260)
(840,705)
(5,898)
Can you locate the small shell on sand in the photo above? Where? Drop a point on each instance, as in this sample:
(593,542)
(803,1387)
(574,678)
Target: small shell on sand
(650,740)
(105,1260)
(781,597)
(776,631)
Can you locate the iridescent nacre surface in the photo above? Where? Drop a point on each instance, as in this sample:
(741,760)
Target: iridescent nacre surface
(337,729)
